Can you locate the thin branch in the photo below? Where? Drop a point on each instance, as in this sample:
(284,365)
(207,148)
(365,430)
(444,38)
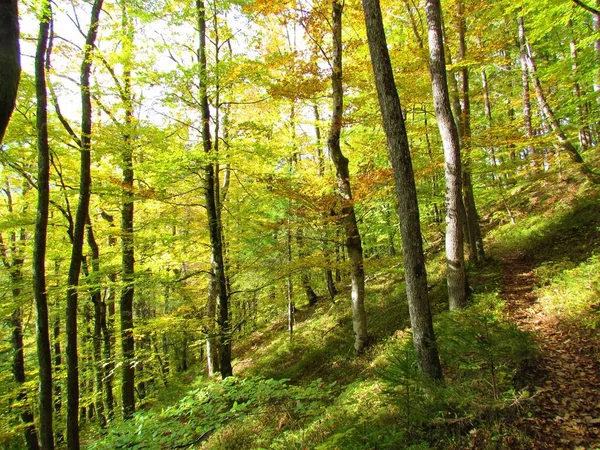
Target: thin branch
(587,7)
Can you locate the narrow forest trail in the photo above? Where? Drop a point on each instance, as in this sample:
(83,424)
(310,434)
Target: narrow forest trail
(565,408)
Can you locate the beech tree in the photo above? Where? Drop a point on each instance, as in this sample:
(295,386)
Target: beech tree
(40,238)
(455,262)
(211,199)
(353,241)
(408,210)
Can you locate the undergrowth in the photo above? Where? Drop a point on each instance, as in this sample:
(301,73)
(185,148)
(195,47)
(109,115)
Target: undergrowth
(311,392)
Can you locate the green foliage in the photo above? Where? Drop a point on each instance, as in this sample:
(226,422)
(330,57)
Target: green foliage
(210,409)
(483,356)
(571,293)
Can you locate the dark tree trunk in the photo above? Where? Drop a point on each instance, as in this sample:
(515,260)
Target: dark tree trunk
(78,234)
(19,374)
(212,201)
(408,210)
(99,321)
(311,296)
(353,240)
(455,263)
(15,267)
(10,61)
(127,237)
(40,239)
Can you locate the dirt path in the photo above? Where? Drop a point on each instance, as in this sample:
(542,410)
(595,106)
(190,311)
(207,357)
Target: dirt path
(565,409)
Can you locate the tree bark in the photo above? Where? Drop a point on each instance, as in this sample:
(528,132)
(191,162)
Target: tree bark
(584,131)
(40,239)
(212,354)
(127,237)
(562,142)
(10,61)
(331,289)
(14,266)
(78,233)
(455,263)
(408,209)
(525,88)
(474,236)
(99,322)
(211,200)
(353,239)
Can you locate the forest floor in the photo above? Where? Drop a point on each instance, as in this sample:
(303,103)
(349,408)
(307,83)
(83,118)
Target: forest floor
(564,410)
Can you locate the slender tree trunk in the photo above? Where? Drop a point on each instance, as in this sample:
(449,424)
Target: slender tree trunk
(311,296)
(127,236)
(108,336)
(10,61)
(474,238)
(99,320)
(212,355)
(562,142)
(596,28)
(291,306)
(353,240)
(331,289)
(525,88)
(40,239)
(15,268)
(408,209)
(58,361)
(584,130)
(488,117)
(78,234)
(212,209)
(455,263)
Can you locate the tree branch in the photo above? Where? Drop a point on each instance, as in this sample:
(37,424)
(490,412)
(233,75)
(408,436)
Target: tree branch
(587,7)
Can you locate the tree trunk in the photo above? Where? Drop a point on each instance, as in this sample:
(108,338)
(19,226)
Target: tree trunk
(311,296)
(562,142)
(474,237)
(455,263)
(108,336)
(214,227)
(525,88)
(584,131)
(353,240)
(40,239)
(99,320)
(10,61)
(488,116)
(78,234)
(331,289)
(15,268)
(408,209)
(127,237)
(212,354)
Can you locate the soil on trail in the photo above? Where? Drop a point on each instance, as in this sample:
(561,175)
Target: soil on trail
(564,410)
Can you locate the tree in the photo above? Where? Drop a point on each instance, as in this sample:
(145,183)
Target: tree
(471,217)
(562,142)
(81,218)
(127,235)
(353,241)
(408,209)
(10,61)
(14,266)
(40,238)
(211,199)
(455,262)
